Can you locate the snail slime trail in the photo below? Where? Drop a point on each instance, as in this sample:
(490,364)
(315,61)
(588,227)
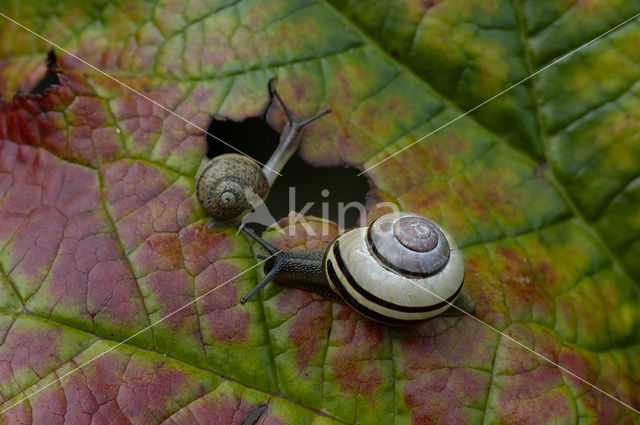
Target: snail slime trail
(318,191)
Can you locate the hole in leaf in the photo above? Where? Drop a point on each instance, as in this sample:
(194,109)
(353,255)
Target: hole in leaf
(51,77)
(310,184)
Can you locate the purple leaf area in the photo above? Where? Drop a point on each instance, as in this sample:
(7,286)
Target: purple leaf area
(118,306)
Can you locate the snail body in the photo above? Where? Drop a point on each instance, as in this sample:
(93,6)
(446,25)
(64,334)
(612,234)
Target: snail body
(229,185)
(401,269)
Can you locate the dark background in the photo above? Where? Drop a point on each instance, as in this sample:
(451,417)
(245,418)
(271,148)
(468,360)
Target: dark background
(257,139)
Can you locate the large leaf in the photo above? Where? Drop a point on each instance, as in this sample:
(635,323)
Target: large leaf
(100,234)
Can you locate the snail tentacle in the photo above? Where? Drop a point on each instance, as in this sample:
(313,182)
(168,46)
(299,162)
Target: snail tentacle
(289,140)
(274,258)
(298,268)
(274,94)
(266,245)
(268,277)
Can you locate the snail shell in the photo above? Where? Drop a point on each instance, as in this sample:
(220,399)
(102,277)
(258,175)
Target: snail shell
(222,185)
(402,268)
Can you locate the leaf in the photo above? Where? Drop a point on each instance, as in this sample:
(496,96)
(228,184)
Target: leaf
(101,236)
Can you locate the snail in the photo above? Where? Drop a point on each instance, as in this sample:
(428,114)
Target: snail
(401,269)
(230,184)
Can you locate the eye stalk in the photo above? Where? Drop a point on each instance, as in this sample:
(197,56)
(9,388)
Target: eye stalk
(223,183)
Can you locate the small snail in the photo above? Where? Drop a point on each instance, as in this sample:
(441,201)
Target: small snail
(401,269)
(226,184)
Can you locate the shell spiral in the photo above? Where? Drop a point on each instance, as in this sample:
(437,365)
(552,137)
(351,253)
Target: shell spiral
(402,268)
(225,181)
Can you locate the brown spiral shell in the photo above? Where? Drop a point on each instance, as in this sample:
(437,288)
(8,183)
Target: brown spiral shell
(221,185)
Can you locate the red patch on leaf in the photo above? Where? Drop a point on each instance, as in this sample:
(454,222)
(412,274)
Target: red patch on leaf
(87,114)
(428,4)
(34,247)
(358,342)
(228,325)
(180,138)
(144,202)
(129,184)
(140,118)
(308,308)
(438,158)
(222,316)
(442,365)
(426,197)
(526,383)
(62,120)
(441,395)
(161,251)
(474,205)
(28,350)
(91,394)
(219,409)
(148,389)
(50,408)
(338,146)
(484,288)
(554,406)
(607,376)
(212,409)
(59,239)
(112,293)
(524,284)
(582,366)
(115,388)
(172,290)
(201,248)
(544,272)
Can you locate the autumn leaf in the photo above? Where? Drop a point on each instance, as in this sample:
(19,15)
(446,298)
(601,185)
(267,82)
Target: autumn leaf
(117,306)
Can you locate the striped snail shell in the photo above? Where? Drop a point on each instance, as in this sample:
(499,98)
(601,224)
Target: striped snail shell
(401,269)
(229,185)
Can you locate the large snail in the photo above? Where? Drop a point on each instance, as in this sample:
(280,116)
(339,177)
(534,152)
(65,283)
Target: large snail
(401,269)
(226,183)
